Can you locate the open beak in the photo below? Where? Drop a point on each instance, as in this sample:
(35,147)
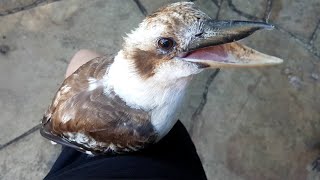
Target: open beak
(215,47)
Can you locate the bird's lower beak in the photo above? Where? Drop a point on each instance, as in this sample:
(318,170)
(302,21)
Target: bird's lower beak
(215,46)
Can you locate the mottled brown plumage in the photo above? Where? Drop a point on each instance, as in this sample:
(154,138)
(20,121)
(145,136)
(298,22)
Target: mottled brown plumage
(103,120)
(173,17)
(128,102)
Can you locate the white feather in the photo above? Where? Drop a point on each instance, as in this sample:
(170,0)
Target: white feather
(160,94)
(66,117)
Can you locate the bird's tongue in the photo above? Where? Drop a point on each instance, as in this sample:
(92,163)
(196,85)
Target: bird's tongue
(231,55)
(213,53)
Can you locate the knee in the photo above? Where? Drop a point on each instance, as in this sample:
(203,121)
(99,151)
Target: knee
(81,57)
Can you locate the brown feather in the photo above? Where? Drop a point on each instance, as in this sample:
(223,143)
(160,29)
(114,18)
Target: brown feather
(103,119)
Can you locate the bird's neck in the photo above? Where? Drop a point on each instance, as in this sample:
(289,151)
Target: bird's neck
(138,92)
(157,95)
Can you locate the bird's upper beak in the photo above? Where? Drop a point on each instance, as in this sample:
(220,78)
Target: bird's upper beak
(215,47)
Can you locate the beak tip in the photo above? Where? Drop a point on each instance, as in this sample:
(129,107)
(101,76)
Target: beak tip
(269,27)
(280,61)
(276,61)
(266,26)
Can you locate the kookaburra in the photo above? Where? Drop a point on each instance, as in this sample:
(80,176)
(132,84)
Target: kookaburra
(127,102)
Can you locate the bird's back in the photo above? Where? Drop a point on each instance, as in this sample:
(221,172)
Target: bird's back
(83,116)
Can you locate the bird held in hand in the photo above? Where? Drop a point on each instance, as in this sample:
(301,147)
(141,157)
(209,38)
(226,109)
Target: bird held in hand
(128,102)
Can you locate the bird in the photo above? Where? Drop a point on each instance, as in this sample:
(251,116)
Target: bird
(128,102)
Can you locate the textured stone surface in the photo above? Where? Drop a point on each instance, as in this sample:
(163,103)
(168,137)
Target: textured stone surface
(31,158)
(194,97)
(298,17)
(295,16)
(317,39)
(251,124)
(205,5)
(152,6)
(208,7)
(7,5)
(13,6)
(263,123)
(255,8)
(41,41)
(227,13)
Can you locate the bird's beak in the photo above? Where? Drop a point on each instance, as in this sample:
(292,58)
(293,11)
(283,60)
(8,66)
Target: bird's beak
(215,47)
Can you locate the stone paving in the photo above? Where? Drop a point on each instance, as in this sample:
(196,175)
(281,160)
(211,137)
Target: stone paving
(246,123)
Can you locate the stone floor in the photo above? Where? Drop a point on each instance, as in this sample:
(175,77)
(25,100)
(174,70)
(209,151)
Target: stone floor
(246,123)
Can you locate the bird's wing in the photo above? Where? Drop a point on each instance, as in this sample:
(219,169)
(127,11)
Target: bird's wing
(84,117)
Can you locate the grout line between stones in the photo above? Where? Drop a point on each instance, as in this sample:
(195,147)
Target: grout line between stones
(314,33)
(219,8)
(247,99)
(26,7)
(308,46)
(235,9)
(218,4)
(203,102)
(267,13)
(30,131)
(142,9)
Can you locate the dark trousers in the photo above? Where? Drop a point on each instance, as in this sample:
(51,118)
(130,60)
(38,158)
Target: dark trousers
(174,157)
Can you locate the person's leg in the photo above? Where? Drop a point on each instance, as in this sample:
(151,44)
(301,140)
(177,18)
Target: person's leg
(69,155)
(80,58)
(174,156)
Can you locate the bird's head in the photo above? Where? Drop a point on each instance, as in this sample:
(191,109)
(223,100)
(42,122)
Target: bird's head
(180,40)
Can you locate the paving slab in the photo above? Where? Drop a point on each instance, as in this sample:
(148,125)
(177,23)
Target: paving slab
(215,130)
(255,8)
(37,44)
(294,16)
(209,7)
(298,17)
(227,13)
(263,123)
(153,5)
(206,5)
(30,158)
(6,6)
(13,6)
(316,41)
(251,124)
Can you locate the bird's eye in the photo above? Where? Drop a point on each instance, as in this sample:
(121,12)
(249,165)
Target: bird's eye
(166,43)
(199,34)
